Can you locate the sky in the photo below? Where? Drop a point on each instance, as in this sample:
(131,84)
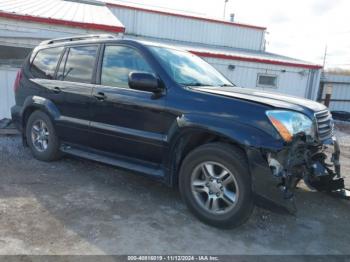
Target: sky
(296,28)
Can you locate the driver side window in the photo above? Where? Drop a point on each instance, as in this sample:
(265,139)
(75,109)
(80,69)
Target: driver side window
(118,62)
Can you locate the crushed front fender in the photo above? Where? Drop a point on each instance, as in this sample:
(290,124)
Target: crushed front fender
(275,174)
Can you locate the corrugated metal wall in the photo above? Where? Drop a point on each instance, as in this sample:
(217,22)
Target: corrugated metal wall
(7,99)
(189,30)
(340,99)
(341,92)
(24,34)
(290,80)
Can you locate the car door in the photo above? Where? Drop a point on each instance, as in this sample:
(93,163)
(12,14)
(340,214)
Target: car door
(125,121)
(73,86)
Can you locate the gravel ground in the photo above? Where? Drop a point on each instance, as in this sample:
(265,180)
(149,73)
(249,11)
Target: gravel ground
(80,207)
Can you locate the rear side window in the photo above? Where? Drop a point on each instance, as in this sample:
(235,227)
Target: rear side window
(118,62)
(45,62)
(78,64)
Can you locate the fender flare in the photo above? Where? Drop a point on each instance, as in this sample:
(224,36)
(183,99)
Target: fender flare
(41,103)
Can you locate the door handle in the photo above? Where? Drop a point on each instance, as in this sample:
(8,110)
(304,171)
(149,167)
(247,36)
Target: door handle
(56,90)
(100,96)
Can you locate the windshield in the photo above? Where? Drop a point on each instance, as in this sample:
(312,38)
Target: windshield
(188,69)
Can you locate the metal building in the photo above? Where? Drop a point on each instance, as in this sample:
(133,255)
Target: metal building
(339,86)
(237,50)
(193,29)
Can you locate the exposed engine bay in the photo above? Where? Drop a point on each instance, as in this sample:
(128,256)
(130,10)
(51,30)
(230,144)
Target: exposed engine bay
(317,164)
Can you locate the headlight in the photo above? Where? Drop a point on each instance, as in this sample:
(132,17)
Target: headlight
(289,123)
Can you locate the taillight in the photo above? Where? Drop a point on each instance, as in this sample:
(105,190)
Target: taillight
(17,80)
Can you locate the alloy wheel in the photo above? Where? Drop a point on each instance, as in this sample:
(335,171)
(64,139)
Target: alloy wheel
(40,135)
(214,187)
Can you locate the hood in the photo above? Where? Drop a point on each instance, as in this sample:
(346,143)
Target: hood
(267,98)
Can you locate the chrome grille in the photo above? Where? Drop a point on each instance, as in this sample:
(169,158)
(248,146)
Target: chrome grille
(324,124)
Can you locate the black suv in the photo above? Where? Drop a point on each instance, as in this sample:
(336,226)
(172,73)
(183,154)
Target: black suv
(166,113)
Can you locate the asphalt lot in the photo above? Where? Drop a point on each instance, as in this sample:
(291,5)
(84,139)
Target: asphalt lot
(77,206)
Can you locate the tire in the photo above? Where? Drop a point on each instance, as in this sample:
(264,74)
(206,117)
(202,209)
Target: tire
(231,199)
(49,152)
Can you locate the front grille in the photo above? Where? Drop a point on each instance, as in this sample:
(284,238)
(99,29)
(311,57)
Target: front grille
(324,124)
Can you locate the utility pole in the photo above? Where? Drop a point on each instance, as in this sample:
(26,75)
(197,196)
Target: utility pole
(325,56)
(225,3)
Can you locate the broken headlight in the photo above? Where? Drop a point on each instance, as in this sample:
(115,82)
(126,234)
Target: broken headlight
(290,123)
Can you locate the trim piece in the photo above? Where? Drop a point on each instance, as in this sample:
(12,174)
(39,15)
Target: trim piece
(74,120)
(335,82)
(115,129)
(254,60)
(129,131)
(337,100)
(186,16)
(36,19)
(114,161)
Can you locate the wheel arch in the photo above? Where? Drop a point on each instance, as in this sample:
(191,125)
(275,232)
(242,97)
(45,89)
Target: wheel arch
(34,103)
(187,140)
(192,130)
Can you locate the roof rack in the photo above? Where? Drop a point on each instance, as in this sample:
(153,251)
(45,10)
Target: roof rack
(77,38)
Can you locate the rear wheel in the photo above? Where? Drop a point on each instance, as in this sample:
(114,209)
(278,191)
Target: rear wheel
(216,186)
(41,137)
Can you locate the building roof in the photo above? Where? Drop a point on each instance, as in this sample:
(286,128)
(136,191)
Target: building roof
(252,56)
(335,78)
(237,54)
(93,16)
(171,12)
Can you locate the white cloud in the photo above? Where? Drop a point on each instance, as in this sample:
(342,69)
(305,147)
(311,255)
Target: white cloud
(322,7)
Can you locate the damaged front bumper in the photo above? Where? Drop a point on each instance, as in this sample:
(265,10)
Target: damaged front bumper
(275,174)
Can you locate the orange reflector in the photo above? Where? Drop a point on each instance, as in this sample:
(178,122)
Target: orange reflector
(281,129)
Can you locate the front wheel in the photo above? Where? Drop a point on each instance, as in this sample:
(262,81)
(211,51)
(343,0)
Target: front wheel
(216,186)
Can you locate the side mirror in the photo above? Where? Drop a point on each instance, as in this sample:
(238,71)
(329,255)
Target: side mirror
(144,82)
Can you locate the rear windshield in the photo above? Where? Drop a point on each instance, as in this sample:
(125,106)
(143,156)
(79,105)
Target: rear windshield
(45,63)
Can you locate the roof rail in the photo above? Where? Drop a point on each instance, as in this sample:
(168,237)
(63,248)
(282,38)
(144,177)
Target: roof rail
(77,38)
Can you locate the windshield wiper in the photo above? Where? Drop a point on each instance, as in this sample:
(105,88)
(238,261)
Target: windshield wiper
(201,84)
(227,85)
(195,84)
